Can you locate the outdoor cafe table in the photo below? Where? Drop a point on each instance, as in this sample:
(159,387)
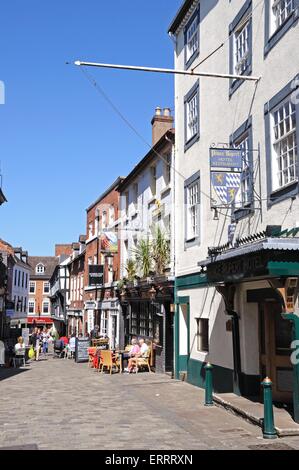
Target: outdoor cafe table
(120,353)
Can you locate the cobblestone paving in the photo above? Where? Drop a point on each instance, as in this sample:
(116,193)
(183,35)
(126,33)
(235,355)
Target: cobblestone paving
(57,404)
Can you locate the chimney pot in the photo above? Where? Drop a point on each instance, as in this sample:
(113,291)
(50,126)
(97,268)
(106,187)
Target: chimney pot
(161,123)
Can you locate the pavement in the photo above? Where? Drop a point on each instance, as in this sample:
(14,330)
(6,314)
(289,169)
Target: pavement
(58,404)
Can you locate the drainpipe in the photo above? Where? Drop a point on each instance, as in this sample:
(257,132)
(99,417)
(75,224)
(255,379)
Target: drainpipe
(236,352)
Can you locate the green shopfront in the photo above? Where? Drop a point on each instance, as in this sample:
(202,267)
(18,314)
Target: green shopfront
(240,312)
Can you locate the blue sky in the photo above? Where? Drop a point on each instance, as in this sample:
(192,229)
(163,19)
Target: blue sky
(61,144)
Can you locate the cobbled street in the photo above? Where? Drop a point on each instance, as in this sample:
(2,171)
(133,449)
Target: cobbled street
(58,404)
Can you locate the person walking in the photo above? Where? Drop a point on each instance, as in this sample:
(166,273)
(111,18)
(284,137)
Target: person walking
(45,340)
(35,341)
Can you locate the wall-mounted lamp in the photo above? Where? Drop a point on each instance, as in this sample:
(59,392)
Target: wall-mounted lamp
(152,292)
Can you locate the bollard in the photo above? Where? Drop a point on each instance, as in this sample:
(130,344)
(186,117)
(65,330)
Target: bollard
(269,431)
(208,385)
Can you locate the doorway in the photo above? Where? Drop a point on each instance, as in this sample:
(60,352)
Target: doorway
(275,352)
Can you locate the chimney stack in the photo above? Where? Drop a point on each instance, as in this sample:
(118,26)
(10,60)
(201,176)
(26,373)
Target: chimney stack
(161,123)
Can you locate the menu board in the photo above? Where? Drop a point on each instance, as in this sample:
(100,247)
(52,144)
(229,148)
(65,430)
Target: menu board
(81,351)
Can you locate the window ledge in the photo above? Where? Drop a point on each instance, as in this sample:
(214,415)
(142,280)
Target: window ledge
(191,141)
(239,214)
(288,191)
(165,190)
(235,84)
(152,201)
(192,59)
(191,242)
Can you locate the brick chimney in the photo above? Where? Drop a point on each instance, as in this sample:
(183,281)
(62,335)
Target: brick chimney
(161,123)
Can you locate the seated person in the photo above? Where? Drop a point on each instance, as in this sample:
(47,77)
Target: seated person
(134,349)
(20,347)
(64,339)
(143,352)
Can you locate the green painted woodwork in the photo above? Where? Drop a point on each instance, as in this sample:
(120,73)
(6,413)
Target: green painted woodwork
(209,385)
(191,281)
(269,431)
(283,268)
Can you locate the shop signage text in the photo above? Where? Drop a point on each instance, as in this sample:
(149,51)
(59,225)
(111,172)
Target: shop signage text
(238,268)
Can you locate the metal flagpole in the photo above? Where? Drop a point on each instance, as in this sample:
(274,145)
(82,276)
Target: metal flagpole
(171,71)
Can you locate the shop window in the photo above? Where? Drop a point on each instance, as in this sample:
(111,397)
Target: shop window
(202,334)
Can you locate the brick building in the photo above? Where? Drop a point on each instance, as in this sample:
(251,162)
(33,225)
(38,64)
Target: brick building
(42,268)
(102,264)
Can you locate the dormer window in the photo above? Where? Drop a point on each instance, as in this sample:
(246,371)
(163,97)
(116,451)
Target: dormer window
(40,269)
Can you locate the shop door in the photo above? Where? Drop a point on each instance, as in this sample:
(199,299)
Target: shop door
(275,352)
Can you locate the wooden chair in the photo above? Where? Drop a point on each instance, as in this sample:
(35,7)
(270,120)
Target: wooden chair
(107,361)
(143,361)
(91,354)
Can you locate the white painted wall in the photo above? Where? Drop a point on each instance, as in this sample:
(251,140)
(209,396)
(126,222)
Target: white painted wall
(221,116)
(138,222)
(207,303)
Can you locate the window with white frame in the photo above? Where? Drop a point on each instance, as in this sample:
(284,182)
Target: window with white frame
(31,306)
(192,208)
(111,215)
(45,306)
(72,289)
(110,269)
(167,169)
(104,219)
(104,322)
(40,268)
(284,144)
(192,39)
(97,221)
(153,170)
(242,47)
(46,287)
(81,286)
(135,195)
(32,287)
(281,10)
(192,116)
(90,230)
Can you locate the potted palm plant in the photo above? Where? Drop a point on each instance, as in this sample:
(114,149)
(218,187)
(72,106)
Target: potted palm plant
(143,257)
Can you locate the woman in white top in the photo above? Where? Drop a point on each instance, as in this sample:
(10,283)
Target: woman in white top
(20,347)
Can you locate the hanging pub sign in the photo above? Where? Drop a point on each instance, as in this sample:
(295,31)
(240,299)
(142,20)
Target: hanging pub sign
(96,274)
(226,158)
(109,242)
(226,168)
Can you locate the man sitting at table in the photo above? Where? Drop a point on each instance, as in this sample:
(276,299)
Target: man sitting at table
(134,349)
